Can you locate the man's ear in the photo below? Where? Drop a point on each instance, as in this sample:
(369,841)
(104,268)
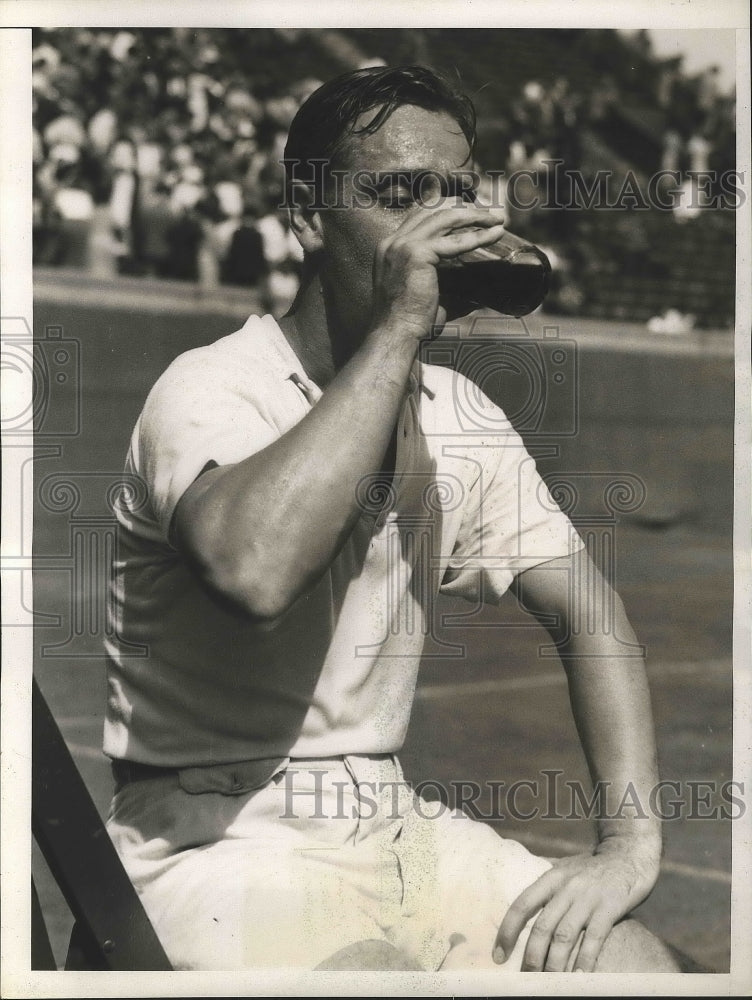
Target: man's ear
(305,221)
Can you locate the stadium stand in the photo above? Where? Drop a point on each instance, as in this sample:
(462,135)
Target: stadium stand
(157,154)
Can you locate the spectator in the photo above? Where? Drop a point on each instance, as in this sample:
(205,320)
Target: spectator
(184,240)
(166,121)
(122,202)
(245,263)
(157,219)
(672,150)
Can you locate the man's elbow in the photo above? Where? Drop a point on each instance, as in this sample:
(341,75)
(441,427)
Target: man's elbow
(615,617)
(601,628)
(263,601)
(255,587)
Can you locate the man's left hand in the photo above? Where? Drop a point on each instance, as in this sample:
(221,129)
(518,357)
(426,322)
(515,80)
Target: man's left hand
(580,899)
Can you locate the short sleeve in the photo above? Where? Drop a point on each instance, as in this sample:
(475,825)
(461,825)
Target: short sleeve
(199,412)
(510,523)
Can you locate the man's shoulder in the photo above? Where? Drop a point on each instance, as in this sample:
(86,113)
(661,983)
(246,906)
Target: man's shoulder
(250,343)
(246,356)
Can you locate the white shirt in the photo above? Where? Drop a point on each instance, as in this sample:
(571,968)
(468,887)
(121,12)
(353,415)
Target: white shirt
(193,682)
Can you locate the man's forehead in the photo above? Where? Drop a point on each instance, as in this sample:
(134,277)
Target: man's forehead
(412,138)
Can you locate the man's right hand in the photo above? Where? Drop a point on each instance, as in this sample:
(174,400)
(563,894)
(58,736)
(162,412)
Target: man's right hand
(406,287)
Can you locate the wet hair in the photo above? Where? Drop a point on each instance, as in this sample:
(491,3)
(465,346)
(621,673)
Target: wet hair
(326,120)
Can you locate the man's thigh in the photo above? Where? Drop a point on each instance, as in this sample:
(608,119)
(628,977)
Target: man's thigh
(233,906)
(476,876)
(369,956)
(481,874)
(631,947)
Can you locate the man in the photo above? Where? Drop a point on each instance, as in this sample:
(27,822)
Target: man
(270,575)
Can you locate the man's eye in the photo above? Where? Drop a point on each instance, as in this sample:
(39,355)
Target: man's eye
(395,192)
(397,202)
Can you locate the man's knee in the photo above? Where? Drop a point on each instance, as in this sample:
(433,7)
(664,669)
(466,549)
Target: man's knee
(369,956)
(631,947)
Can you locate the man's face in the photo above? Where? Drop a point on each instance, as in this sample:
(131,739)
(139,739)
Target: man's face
(414,142)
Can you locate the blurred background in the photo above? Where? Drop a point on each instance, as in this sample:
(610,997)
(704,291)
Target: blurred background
(156,181)
(156,153)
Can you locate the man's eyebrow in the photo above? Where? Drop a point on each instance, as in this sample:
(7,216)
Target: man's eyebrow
(451,184)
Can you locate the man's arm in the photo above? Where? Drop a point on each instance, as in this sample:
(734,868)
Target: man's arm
(611,706)
(262,531)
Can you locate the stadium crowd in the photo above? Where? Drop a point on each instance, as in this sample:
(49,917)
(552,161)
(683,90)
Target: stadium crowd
(156,152)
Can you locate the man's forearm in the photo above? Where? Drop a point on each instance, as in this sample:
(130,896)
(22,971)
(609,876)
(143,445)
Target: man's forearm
(580,900)
(611,706)
(607,685)
(264,530)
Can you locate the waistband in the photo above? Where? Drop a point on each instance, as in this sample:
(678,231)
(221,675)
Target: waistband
(126,771)
(244,776)
(228,779)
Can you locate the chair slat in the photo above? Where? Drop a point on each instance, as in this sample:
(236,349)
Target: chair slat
(111,919)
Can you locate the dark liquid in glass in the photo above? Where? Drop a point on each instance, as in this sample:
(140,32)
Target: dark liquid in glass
(514,286)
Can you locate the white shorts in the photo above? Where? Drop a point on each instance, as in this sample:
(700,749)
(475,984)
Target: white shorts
(324,854)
